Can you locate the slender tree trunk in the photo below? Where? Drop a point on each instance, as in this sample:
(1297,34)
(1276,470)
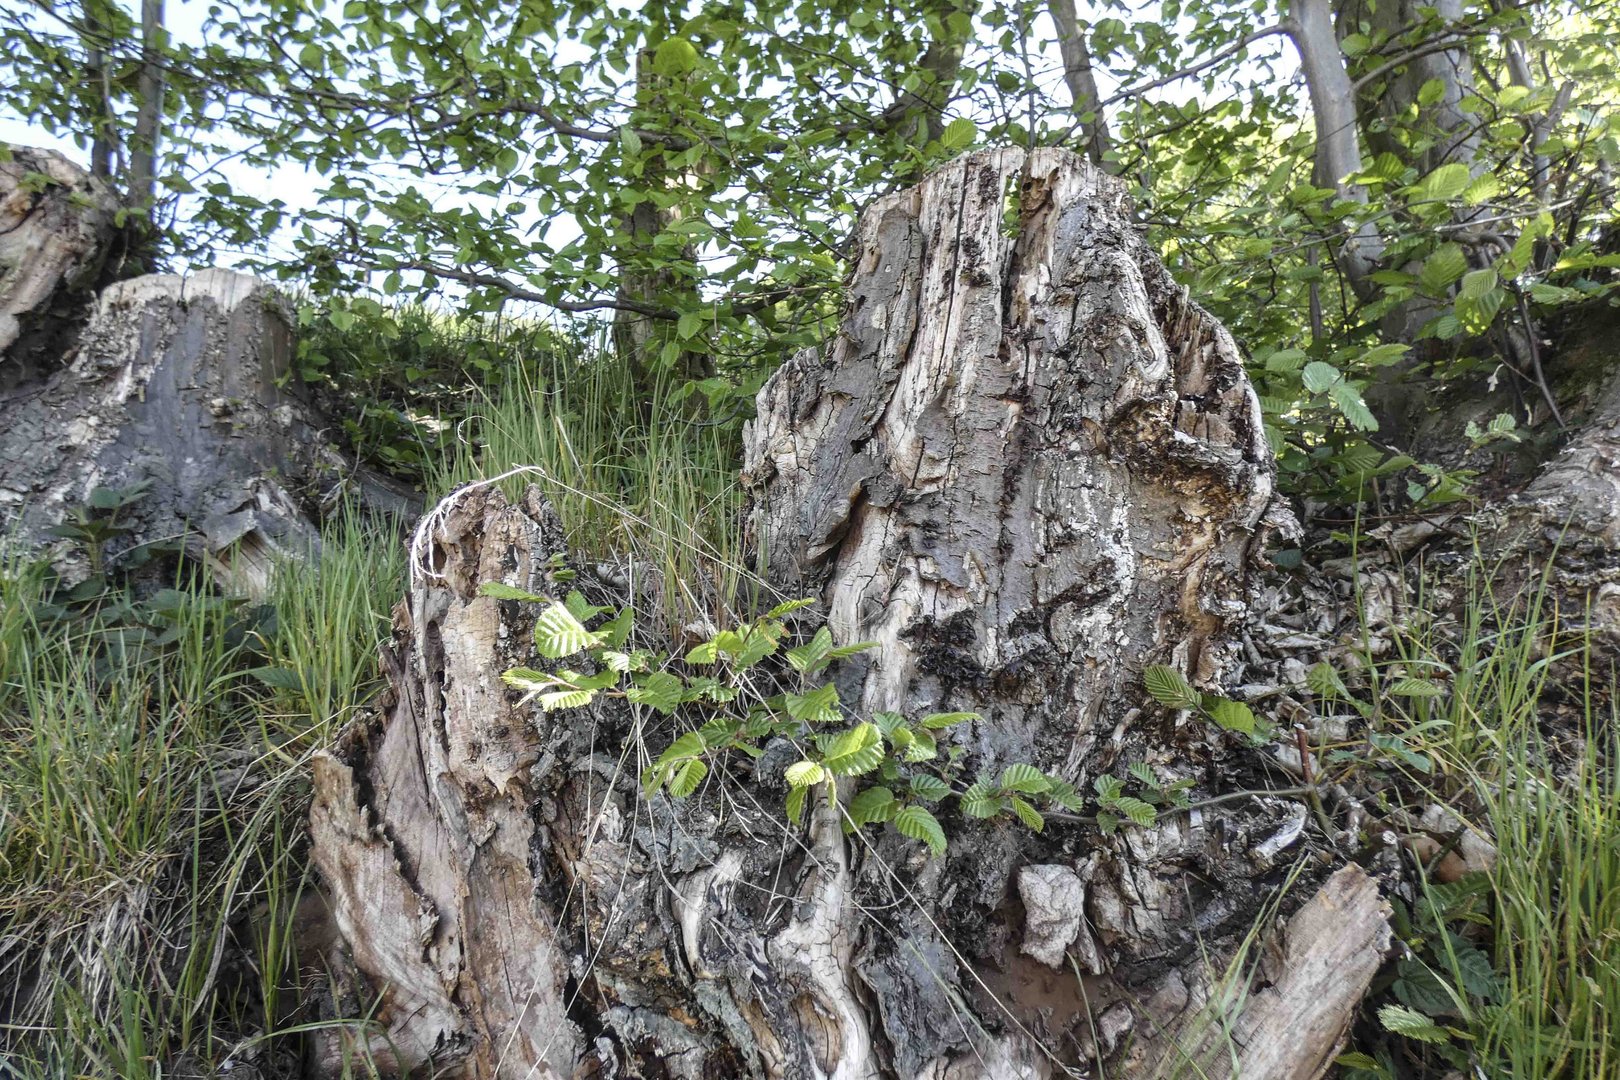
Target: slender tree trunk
(1082,84)
(101,119)
(1338,135)
(1026,466)
(143,149)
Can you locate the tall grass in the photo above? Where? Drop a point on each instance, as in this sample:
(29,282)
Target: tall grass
(1525,748)
(152,795)
(630,474)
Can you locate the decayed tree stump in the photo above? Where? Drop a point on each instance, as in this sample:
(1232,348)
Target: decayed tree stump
(56,222)
(1027,466)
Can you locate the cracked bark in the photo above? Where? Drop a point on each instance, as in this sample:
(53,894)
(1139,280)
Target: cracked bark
(1027,465)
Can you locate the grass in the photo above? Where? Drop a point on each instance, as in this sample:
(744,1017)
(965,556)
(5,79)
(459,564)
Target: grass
(1523,747)
(152,793)
(631,476)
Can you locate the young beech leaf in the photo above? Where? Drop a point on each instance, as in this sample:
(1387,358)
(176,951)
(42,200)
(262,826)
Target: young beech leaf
(805,773)
(979,802)
(929,788)
(685,779)
(687,746)
(1170,687)
(1138,811)
(705,653)
(565,699)
(935,721)
(1412,1024)
(922,747)
(818,706)
(508,592)
(1233,716)
(789,606)
(811,653)
(658,690)
(1024,778)
(919,824)
(557,633)
(1028,814)
(795,804)
(858,750)
(873,804)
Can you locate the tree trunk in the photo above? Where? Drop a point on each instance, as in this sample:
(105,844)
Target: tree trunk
(143,144)
(1027,466)
(1082,84)
(1338,136)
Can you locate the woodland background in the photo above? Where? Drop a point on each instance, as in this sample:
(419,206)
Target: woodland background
(581,238)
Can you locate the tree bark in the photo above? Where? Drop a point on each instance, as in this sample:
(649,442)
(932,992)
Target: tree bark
(1027,466)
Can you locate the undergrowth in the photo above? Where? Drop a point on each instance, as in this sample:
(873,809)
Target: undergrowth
(1501,712)
(153,786)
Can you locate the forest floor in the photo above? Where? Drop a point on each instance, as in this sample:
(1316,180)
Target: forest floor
(157,910)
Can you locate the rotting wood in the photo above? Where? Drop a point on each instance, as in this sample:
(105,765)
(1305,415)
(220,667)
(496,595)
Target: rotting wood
(1028,465)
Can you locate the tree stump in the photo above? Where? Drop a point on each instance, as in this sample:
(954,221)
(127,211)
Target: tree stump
(1027,467)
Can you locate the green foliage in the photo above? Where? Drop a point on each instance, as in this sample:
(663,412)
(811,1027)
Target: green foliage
(902,768)
(1171,689)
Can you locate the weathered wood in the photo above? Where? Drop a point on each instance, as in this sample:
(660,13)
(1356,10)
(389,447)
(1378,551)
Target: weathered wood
(174,385)
(55,225)
(1027,466)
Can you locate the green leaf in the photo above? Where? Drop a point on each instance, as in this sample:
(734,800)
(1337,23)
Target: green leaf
(1318,376)
(1324,681)
(688,745)
(921,748)
(812,652)
(1444,265)
(673,57)
(507,592)
(565,699)
(756,646)
(1417,688)
(630,140)
(928,787)
(1108,788)
(1170,687)
(1023,778)
(706,653)
(685,779)
(873,804)
(819,706)
(1477,283)
(1030,816)
(1446,182)
(1233,716)
(1411,1024)
(1349,402)
(795,804)
(557,633)
(788,606)
(858,750)
(958,134)
(936,721)
(1138,811)
(978,802)
(658,690)
(919,824)
(805,773)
